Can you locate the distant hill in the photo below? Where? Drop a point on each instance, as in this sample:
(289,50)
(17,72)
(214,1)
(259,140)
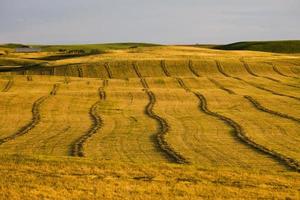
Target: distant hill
(288,46)
(85,47)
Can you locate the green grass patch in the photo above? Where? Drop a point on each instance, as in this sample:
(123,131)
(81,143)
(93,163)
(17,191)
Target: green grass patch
(288,46)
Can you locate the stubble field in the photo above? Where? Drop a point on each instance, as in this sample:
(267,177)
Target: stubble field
(163,122)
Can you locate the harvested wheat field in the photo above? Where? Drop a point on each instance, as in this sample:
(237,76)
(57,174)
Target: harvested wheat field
(149,122)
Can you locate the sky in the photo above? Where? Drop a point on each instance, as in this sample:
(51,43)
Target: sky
(153,21)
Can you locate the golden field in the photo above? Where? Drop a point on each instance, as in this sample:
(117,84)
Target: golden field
(163,122)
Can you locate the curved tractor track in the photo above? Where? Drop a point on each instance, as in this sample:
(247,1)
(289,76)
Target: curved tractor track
(275,69)
(138,73)
(8,85)
(80,71)
(257,105)
(182,84)
(108,71)
(220,86)
(240,134)
(164,68)
(77,148)
(36,117)
(248,69)
(160,140)
(171,154)
(221,70)
(192,69)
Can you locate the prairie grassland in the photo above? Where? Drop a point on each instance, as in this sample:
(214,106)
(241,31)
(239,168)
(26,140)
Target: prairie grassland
(162,122)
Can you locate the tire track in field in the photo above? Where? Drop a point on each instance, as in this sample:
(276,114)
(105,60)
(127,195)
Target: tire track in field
(182,84)
(248,69)
(257,105)
(221,70)
(163,128)
(80,71)
(240,134)
(77,148)
(220,86)
(8,85)
(170,153)
(260,107)
(108,71)
(105,83)
(275,69)
(67,78)
(192,69)
(142,79)
(164,68)
(36,116)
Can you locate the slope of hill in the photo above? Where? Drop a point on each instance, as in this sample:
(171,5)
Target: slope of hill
(289,46)
(159,122)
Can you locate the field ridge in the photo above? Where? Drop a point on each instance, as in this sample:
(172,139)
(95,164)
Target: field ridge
(258,105)
(77,148)
(190,64)
(171,154)
(248,69)
(221,70)
(164,68)
(8,85)
(220,86)
(108,71)
(36,117)
(239,132)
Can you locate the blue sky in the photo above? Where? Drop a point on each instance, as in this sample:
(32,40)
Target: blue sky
(157,21)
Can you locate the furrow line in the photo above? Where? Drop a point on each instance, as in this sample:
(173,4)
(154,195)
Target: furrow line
(142,79)
(268,90)
(108,71)
(247,67)
(220,69)
(164,68)
(36,117)
(80,71)
(240,134)
(275,69)
(182,84)
(220,86)
(170,153)
(8,85)
(257,105)
(67,78)
(105,83)
(77,149)
(102,94)
(192,69)
(144,83)
(278,81)
(135,68)
(252,84)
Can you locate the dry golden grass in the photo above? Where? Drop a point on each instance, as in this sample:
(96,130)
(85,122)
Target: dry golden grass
(100,107)
(24,177)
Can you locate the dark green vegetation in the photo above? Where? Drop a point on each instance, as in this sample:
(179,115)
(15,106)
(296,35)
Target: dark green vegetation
(288,46)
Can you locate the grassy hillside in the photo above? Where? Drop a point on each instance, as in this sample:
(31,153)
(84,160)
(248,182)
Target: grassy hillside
(159,122)
(86,47)
(292,46)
